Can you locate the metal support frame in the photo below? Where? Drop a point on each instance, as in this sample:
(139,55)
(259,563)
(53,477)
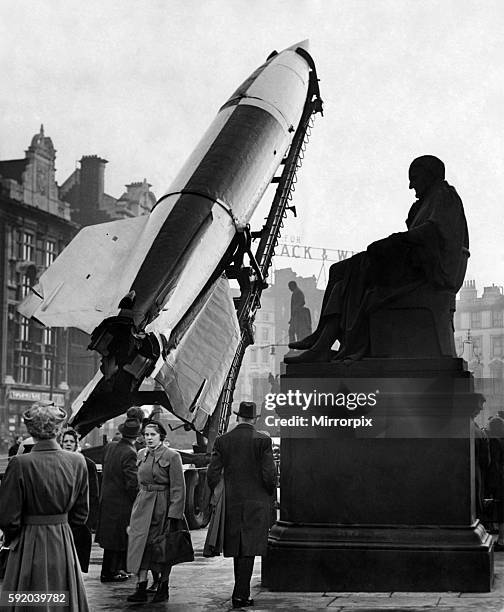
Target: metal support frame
(250,300)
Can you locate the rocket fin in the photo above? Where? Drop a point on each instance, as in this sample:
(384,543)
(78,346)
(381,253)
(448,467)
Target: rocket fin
(193,374)
(88,279)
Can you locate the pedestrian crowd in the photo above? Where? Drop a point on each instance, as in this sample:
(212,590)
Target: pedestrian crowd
(51,503)
(489,450)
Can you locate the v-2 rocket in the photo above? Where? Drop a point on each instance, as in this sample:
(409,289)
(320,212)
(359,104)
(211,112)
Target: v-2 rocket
(120,281)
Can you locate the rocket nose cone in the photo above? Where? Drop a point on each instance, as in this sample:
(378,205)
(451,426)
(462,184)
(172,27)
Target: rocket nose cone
(304,44)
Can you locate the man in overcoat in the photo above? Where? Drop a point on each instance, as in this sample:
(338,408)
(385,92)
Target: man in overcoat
(246,458)
(118,492)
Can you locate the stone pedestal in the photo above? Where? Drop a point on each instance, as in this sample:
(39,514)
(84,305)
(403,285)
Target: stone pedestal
(382,507)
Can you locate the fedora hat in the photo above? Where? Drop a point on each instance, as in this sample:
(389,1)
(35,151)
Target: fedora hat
(247,410)
(130,428)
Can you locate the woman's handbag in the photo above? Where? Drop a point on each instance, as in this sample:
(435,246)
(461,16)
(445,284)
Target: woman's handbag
(174,546)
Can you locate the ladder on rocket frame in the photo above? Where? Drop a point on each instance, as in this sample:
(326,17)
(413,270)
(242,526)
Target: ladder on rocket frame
(249,301)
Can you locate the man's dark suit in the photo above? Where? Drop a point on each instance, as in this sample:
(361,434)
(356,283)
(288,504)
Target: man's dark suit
(246,457)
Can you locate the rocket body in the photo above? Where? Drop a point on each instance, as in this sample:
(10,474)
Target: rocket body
(168,256)
(130,283)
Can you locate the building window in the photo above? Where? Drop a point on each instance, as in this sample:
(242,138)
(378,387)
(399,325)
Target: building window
(265,334)
(25,285)
(266,316)
(253,356)
(48,336)
(497,346)
(496,370)
(475,320)
(24,369)
(265,356)
(13,243)
(50,254)
(497,318)
(24,329)
(46,371)
(496,377)
(40,251)
(28,247)
(12,274)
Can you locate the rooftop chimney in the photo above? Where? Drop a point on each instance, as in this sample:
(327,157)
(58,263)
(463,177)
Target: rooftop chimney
(92,183)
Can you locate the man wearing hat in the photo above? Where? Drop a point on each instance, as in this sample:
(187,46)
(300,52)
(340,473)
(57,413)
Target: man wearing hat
(245,457)
(118,492)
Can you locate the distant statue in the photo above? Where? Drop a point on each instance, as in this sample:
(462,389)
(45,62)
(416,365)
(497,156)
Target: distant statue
(300,317)
(274,383)
(430,256)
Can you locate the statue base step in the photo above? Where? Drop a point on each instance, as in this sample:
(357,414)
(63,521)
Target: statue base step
(377,559)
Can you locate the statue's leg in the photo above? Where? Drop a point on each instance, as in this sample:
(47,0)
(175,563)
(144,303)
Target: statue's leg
(330,305)
(305,343)
(342,313)
(329,332)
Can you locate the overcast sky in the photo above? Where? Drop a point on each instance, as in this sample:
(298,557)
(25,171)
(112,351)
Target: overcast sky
(138,82)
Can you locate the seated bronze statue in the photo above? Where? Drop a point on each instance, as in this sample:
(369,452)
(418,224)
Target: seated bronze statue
(429,259)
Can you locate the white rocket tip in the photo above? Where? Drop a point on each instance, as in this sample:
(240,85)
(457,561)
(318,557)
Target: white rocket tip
(304,44)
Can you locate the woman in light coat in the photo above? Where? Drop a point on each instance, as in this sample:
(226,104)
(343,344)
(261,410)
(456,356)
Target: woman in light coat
(158,506)
(42,494)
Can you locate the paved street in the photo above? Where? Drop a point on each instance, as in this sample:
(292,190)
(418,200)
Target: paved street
(206,585)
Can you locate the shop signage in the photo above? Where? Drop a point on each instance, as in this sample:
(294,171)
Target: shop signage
(300,251)
(25,395)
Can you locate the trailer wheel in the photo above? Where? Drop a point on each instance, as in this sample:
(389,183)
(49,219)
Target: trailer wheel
(195,513)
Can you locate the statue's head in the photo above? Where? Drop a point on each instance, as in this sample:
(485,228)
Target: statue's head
(424,171)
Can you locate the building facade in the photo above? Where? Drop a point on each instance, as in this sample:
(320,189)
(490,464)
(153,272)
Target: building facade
(84,189)
(38,219)
(479,338)
(35,225)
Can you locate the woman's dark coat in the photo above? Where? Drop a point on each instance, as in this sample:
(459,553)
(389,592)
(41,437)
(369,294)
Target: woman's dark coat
(82,533)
